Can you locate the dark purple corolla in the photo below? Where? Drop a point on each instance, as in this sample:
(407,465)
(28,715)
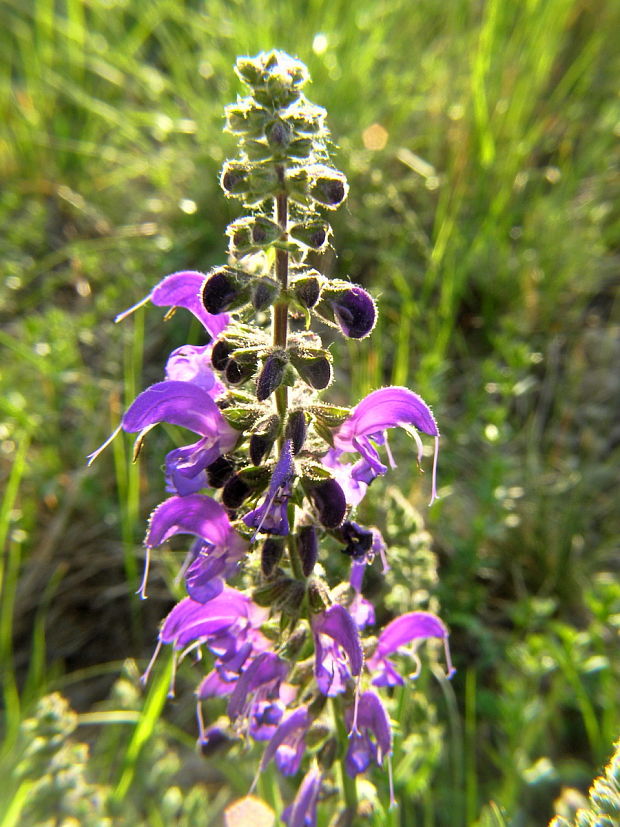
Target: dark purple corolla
(302,812)
(372,739)
(365,428)
(408,630)
(271,517)
(183,290)
(190,406)
(338,650)
(355,312)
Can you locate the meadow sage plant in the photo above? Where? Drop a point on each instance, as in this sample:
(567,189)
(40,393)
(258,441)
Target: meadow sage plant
(274,469)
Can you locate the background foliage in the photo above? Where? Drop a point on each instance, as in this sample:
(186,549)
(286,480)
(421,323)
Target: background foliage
(480,142)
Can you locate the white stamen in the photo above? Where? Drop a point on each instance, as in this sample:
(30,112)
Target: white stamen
(451,669)
(147,565)
(393,802)
(92,457)
(145,676)
(122,316)
(434,494)
(201,722)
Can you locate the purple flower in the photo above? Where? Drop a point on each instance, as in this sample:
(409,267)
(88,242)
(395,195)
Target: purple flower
(190,406)
(411,628)
(287,744)
(266,672)
(191,363)
(302,812)
(382,409)
(219,548)
(372,720)
(183,290)
(272,516)
(332,669)
(361,610)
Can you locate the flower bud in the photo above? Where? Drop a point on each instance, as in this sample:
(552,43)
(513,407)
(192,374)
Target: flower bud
(330,415)
(224,288)
(264,293)
(270,556)
(239,370)
(249,481)
(294,644)
(271,375)
(328,754)
(283,593)
(307,548)
(234,178)
(219,472)
(263,182)
(262,438)
(243,118)
(257,151)
(306,289)
(329,187)
(319,597)
(358,540)
(311,234)
(330,502)
(278,135)
(249,70)
(296,429)
(221,353)
(264,231)
(314,367)
(300,148)
(355,312)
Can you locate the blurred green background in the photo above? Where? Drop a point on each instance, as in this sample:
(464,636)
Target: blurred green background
(480,140)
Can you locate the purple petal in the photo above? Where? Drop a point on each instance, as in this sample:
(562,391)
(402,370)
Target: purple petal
(179,403)
(337,623)
(408,627)
(302,812)
(265,668)
(195,514)
(372,715)
(213,686)
(291,730)
(191,363)
(200,619)
(385,408)
(183,290)
(272,515)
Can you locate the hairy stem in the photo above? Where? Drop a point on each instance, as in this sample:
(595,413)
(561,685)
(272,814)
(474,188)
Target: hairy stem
(280,310)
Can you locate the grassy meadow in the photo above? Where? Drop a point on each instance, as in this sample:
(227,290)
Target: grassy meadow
(480,141)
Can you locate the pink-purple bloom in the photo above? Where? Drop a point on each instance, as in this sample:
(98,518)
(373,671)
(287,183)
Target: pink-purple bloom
(287,744)
(271,517)
(365,428)
(372,738)
(302,812)
(190,406)
(338,650)
(407,630)
(183,289)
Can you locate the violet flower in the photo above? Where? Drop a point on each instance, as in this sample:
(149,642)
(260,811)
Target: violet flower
(190,406)
(302,812)
(382,409)
(411,628)
(219,550)
(287,744)
(272,516)
(361,610)
(183,289)
(192,363)
(332,669)
(373,739)
(355,312)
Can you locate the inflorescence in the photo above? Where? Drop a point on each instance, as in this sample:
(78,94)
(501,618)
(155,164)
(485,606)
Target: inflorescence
(275,469)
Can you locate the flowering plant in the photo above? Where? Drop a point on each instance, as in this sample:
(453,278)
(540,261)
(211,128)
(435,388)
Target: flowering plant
(275,469)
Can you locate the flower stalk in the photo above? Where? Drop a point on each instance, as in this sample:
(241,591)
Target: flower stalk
(274,468)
